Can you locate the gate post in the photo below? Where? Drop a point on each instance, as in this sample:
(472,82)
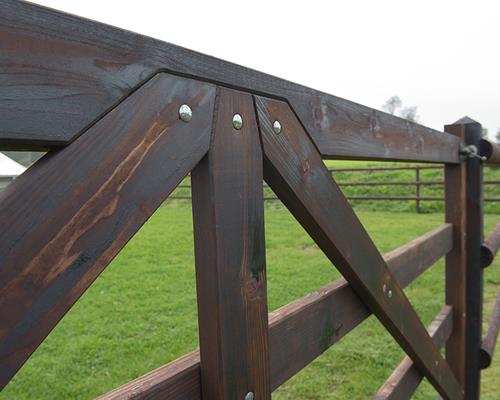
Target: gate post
(464,209)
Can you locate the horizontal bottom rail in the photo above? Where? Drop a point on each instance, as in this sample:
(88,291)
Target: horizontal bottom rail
(406,377)
(490,340)
(299,331)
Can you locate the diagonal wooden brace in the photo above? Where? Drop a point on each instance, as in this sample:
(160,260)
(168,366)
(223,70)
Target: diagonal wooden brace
(295,171)
(73,211)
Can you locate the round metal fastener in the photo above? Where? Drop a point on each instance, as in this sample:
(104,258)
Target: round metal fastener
(237,123)
(276,127)
(250,396)
(185,113)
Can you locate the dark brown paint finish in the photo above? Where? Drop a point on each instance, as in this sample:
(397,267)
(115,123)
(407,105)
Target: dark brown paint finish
(464,279)
(228,221)
(106,101)
(73,211)
(404,381)
(60,73)
(293,168)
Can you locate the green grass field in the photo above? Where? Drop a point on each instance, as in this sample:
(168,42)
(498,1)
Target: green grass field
(141,312)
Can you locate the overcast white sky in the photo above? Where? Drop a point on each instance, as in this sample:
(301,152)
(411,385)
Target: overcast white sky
(442,55)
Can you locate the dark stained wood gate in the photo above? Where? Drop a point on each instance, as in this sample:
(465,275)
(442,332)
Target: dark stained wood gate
(125,118)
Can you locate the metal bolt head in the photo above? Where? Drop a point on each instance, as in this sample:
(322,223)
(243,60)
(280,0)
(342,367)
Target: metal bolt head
(185,113)
(237,123)
(276,127)
(250,396)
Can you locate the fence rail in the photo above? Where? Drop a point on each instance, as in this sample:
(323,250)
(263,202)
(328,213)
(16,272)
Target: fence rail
(417,183)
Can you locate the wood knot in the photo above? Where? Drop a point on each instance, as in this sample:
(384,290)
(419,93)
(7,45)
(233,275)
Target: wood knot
(253,288)
(305,167)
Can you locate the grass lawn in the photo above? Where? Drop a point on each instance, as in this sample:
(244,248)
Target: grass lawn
(141,312)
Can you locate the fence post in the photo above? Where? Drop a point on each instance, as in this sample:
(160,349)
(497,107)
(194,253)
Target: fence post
(463,205)
(228,216)
(417,188)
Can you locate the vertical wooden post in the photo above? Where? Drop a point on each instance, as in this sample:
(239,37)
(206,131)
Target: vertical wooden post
(417,188)
(230,256)
(463,194)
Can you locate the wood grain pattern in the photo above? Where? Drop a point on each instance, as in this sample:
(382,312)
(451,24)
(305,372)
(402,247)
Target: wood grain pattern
(299,331)
(71,213)
(490,339)
(228,212)
(59,73)
(293,168)
(463,208)
(405,379)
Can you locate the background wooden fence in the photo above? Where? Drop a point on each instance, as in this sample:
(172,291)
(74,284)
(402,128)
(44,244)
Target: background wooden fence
(419,183)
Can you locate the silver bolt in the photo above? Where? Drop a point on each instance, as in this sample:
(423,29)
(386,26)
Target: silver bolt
(249,396)
(277,127)
(185,113)
(237,123)
(389,293)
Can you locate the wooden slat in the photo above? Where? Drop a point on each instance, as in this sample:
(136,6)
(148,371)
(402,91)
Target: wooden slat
(405,379)
(228,210)
(463,208)
(490,247)
(294,170)
(59,73)
(490,150)
(490,339)
(73,211)
(296,329)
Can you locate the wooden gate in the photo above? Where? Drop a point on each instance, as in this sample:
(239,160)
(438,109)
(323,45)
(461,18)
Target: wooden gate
(125,118)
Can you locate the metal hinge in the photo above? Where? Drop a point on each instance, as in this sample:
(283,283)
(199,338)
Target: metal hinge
(470,151)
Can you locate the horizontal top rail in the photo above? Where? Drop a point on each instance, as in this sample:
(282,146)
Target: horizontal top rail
(38,70)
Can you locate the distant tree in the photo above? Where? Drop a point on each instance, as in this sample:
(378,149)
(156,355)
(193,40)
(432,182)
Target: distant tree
(497,136)
(484,132)
(409,113)
(392,104)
